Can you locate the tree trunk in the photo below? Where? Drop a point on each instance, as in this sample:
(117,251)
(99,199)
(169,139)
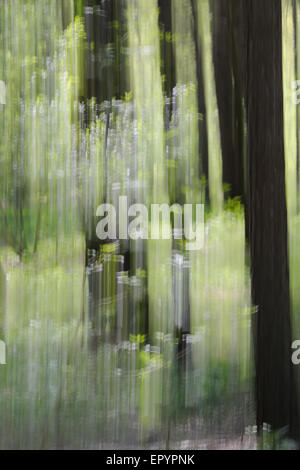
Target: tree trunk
(203,149)
(275,386)
(224,89)
(229,61)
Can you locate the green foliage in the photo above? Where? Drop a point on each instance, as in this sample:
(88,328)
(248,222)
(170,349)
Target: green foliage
(74,377)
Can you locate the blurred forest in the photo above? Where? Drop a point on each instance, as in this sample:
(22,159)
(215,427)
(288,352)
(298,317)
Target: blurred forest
(143,343)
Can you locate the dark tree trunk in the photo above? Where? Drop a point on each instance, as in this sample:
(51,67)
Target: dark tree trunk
(275,387)
(229,53)
(167,52)
(224,88)
(105,25)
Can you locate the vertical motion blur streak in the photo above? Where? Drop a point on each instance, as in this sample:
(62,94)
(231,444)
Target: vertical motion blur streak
(123,342)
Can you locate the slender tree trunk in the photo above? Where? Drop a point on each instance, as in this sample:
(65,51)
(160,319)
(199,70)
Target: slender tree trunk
(224,88)
(213,125)
(167,52)
(229,61)
(275,386)
(203,150)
